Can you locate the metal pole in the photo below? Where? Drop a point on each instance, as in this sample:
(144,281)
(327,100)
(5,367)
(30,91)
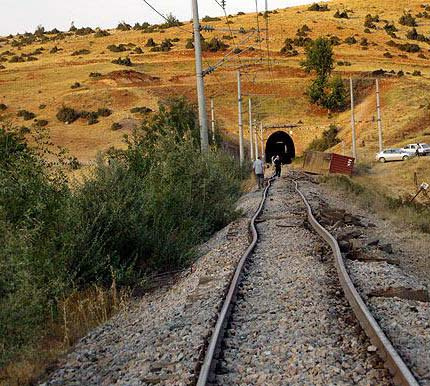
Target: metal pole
(378,107)
(251,131)
(255,139)
(262,141)
(354,148)
(239,98)
(213,119)
(204,140)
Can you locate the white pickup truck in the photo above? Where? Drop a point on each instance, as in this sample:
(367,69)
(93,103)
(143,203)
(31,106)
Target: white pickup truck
(423,149)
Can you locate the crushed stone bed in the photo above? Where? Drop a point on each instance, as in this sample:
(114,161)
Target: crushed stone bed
(405,321)
(291,323)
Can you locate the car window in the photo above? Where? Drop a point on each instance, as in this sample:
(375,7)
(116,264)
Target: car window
(425,146)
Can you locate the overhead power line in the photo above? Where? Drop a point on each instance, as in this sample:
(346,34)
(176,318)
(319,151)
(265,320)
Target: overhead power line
(165,17)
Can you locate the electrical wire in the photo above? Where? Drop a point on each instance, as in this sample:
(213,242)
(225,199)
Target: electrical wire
(165,18)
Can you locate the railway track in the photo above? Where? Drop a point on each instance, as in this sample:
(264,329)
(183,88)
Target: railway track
(284,319)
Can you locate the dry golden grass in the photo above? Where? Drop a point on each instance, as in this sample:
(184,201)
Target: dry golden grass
(80,312)
(48,80)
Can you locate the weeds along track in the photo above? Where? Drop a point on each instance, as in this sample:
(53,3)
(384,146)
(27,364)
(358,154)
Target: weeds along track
(286,317)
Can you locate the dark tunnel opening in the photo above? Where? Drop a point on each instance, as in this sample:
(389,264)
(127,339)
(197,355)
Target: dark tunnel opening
(280,143)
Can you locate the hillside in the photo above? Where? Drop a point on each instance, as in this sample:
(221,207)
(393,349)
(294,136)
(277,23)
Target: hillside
(155,75)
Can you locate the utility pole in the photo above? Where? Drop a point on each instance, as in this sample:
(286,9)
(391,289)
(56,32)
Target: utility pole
(354,147)
(378,107)
(204,140)
(239,99)
(262,141)
(251,131)
(213,119)
(255,139)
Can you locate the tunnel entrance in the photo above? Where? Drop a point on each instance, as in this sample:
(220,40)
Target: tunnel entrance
(280,143)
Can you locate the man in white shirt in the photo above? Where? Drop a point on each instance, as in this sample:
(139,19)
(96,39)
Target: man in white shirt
(259,172)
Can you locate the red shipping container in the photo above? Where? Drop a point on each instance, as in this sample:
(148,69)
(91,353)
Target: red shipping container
(341,164)
(325,163)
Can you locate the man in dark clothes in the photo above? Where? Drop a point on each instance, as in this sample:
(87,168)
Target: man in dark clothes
(278,166)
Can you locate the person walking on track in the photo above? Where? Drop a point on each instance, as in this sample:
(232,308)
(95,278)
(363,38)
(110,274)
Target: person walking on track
(259,172)
(278,166)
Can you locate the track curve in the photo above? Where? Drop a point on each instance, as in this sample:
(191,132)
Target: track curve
(400,372)
(208,363)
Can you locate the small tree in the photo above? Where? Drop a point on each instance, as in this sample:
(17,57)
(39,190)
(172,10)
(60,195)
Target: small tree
(336,99)
(319,58)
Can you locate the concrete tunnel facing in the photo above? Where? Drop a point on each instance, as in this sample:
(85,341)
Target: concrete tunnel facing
(280,143)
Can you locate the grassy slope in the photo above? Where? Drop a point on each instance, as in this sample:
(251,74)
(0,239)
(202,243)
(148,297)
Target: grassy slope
(404,101)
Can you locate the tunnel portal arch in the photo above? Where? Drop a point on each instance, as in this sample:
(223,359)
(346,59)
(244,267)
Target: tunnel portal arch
(280,143)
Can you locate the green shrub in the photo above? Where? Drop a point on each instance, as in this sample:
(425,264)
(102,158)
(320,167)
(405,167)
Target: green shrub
(84,31)
(54,50)
(207,19)
(118,48)
(95,75)
(328,140)
(214,45)
(351,40)
(26,115)
(364,42)
(341,15)
(319,8)
(101,33)
(171,21)
(104,112)
(416,73)
(123,62)
(408,19)
(123,26)
(75,85)
(3,107)
(81,52)
(116,126)
(141,110)
(41,122)
(370,21)
(67,115)
(93,118)
(143,212)
(414,35)
(150,43)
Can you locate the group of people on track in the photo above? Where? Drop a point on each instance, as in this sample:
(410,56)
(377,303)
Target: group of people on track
(258,167)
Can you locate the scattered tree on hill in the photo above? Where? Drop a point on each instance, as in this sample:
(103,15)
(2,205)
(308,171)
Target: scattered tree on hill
(408,19)
(171,21)
(370,21)
(123,62)
(330,94)
(414,35)
(150,43)
(341,15)
(328,140)
(123,26)
(319,8)
(351,40)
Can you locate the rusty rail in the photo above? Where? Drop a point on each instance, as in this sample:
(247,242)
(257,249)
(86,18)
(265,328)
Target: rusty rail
(401,373)
(209,361)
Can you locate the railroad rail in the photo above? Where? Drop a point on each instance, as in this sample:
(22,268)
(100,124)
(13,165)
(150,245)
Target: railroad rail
(400,372)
